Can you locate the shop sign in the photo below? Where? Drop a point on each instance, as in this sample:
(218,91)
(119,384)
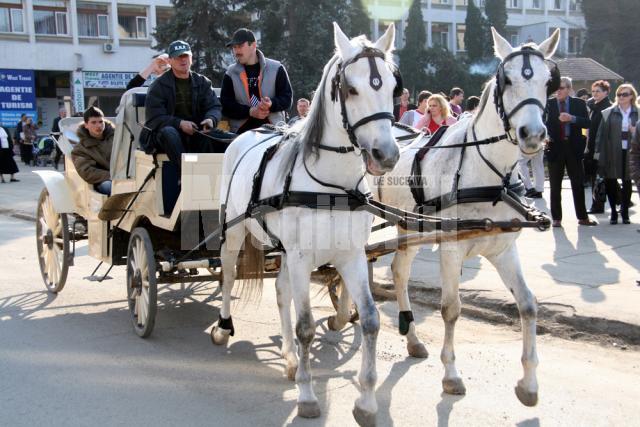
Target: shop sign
(17,95)
(106,80)
(78,91)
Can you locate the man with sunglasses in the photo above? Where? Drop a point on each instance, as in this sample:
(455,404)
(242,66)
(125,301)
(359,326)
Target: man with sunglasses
(566,116)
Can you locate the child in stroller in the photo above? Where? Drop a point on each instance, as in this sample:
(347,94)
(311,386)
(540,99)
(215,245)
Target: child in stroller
(43,150)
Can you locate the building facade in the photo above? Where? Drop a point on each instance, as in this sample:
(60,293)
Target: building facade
(528,20)
(88,50)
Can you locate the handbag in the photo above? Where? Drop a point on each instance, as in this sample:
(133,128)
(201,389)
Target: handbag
(599,190)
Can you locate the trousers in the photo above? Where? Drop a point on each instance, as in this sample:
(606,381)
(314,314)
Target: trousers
(568,160)
(537,166)
(171,141)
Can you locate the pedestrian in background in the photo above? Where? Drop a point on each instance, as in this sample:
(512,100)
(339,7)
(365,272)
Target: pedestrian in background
(612,147)
(412,117)
(597,104)
(18,136)
(566,116)
(7,164)
(438,114)
(456,98)
(403,106)
(55,131)
(29,129)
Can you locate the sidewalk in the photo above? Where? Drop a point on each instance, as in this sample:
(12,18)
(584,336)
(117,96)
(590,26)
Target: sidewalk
(583,277)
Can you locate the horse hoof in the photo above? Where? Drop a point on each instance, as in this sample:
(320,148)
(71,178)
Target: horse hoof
(364,418)
(219,336)
(333,324)
(453,386)
(291,372)
(308,409)
(417,350)
(527,398)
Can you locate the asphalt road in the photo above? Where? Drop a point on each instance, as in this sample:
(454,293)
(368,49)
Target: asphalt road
(73,359)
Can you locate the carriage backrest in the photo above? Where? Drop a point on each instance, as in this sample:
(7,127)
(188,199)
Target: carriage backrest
(129,122)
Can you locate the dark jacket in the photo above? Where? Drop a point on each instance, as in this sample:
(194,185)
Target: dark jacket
(595,114)
(634,156)
(91,156)
(609,142)
(160,105)
(578,109)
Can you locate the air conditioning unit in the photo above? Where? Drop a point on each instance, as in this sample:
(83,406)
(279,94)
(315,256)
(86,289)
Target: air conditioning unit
(108,48)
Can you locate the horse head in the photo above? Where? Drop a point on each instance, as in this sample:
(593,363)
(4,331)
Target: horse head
(523,83)
(363,87)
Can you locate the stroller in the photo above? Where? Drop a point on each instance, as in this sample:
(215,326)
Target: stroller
(43,151)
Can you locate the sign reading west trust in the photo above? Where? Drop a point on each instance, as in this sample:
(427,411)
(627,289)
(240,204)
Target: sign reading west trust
(106,80)
(17,95)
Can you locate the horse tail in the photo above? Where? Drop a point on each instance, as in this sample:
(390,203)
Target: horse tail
(251,269)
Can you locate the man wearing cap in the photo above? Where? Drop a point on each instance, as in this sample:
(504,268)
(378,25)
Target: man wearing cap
(255,90)
(181,107)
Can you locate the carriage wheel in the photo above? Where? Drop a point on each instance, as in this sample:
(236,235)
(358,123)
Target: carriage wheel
(142,287)
(52,242)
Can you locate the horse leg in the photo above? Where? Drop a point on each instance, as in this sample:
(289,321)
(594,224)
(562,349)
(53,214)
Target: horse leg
(283,292)
(401,269)
(354,271)
(343,312)
(299,277)
(508,265)
(228,255)
(450,265)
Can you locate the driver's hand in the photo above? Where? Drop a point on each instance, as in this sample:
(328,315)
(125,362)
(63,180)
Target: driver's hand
(188,127)
(207,124)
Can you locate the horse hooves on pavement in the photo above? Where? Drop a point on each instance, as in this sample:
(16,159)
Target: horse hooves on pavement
(453,386)
(417,350)
(527,398)
(308,409)
(219,336)
(364,418)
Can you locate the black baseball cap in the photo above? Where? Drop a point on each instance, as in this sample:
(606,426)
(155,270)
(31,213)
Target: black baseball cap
(178,48)
(242,35)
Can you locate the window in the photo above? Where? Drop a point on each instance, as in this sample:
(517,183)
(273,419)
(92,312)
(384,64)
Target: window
(536,4)
(574,5)
(514,4)
(440,1)
(460,30)
(132,22)
(93,20)
(440,35)
(574,44)
(50,17)
(11,20)
(558,4)
(513,39)
(163,15)
(462,3)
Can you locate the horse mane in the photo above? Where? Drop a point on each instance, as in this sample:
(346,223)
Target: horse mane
(487,92)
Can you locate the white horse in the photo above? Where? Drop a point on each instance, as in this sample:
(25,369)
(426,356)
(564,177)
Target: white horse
(361,82)
(523,92)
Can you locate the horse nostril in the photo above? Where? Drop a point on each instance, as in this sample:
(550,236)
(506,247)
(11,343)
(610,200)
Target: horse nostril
(543,134)
(523,133)
(377,154)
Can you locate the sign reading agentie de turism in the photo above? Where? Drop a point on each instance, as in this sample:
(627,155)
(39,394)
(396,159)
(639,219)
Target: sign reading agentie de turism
(106,80)
(17,95)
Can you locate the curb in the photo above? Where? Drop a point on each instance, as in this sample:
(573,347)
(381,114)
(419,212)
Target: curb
(555,319)
(25,216)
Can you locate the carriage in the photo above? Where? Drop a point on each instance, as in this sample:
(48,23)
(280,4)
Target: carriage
(148,223)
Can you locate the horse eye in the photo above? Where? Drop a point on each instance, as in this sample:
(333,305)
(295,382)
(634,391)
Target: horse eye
(352,91)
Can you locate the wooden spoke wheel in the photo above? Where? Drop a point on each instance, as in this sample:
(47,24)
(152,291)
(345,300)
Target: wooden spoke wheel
(52,242)
(142,286)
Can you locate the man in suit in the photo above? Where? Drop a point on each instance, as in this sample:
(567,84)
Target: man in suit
(566,116)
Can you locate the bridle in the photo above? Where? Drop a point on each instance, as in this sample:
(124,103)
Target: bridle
(527,73)
(340,91)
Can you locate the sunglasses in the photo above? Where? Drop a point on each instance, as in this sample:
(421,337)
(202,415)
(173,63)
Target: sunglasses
(624,95)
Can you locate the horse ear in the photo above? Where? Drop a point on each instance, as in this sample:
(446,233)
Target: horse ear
(501,46)
(549,46)
(388,39)
(343,45)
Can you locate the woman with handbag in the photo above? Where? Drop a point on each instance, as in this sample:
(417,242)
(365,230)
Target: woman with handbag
(612,148)
(7,164)
(29,129)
